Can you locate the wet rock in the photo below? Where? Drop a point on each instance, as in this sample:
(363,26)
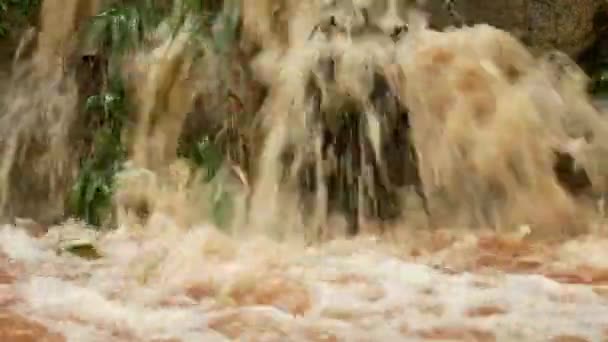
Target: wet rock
(567,25)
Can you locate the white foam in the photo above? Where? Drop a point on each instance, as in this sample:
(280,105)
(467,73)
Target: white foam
(384,294)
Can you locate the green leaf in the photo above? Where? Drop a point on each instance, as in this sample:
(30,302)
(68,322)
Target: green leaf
(91,194)
(3,30)
(222,209)
(93,102)
(96,32)
(208,155)
(113,104)
(117,30)
(226,36)
(76,202)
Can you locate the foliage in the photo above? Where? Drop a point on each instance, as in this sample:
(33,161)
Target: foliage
(115,32)
(600,80)
(119,30)
(207,155)
(24,7)
(91,195)
(225,36)
(10,9)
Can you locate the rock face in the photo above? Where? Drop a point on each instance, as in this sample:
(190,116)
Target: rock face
(567,25)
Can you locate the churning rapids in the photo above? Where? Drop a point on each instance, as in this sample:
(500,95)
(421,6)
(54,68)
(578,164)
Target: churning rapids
(487,118)
(166,284)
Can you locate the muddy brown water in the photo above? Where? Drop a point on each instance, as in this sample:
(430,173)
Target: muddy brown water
(486,119)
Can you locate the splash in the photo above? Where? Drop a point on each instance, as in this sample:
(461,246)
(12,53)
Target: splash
(162,98)
(351,88)
(488,131)
(168,283)
(488,119)
(39,120)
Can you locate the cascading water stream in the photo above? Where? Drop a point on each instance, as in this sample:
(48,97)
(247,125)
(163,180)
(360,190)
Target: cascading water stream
(485,117)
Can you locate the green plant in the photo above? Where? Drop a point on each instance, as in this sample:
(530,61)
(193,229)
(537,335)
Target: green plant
(24,7)
(3,24)
(599,85)
(207,155)
(91,195)
(116,31)
(126,27)
(225,36)
(11,9)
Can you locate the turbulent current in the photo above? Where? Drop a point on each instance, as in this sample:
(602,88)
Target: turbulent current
(490,244)
(167,284)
